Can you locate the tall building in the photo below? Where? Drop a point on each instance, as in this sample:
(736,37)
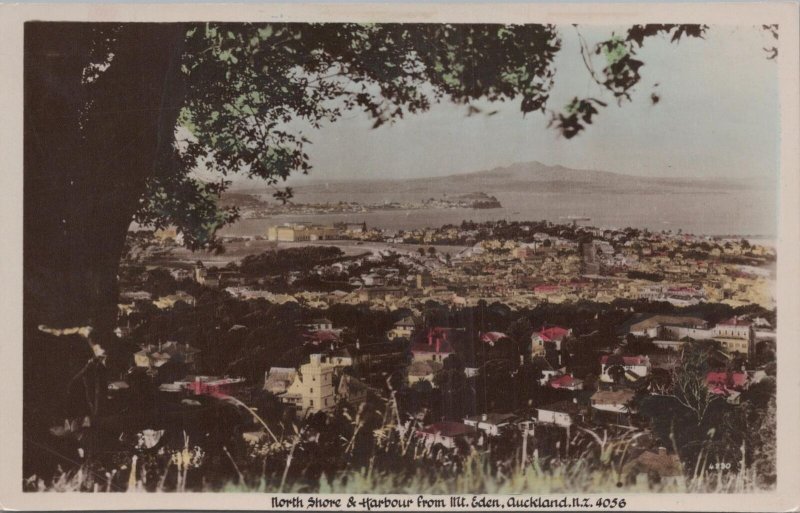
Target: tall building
(312,389)
(424,280)
(590,264)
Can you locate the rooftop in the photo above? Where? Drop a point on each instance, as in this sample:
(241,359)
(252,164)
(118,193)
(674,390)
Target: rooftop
(569,407)
(492,418)
(491,337)
(565,381)
(735,321)
(553,333)
(620,396)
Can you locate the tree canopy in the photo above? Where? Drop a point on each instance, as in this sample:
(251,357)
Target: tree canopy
(249,88)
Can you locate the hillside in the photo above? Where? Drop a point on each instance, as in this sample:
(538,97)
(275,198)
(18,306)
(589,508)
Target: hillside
(519,177)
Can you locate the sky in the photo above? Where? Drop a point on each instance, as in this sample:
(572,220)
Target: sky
(717,117)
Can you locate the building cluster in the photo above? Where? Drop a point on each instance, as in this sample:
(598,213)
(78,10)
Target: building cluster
(300,232)
(334,376)
(520,267)
(557,264)
(256,210)
(736,334)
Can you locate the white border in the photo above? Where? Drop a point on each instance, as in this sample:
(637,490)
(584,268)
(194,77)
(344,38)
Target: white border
(787,495)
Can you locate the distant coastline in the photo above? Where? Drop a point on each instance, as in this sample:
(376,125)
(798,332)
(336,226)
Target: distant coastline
(533,191)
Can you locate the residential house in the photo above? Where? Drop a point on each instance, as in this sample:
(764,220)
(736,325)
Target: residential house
(491,338)
(320,324)
(491,423)
(422,370)
(561,413)
(168,301)
(674,345)
(155,357)
(565,382)
(204,385)
(615,402)
(404,328)
(446,433)
(436,345)
(729,385)
(635,367)
(142,358)
(549,335)
(322,337)
(278,379)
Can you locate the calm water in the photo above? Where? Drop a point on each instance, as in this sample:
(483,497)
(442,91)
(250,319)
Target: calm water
(751,213)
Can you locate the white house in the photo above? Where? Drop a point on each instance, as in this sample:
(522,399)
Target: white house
(490,423)
(675,345)
(446,433)
(278,379)
(635,366)
(552,334)
(561,413)
(613,401)
(320,324)
(404,328)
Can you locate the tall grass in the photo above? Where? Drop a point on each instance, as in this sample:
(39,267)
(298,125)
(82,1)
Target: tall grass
(394,460)
(476,477)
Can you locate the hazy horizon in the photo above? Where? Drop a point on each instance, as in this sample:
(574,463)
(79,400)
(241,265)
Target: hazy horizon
(319,179)
(717,118)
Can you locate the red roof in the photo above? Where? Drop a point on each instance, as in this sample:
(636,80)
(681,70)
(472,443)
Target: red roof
(553,333)
(437,340)
(491,337)
(547,288)
(321,336)
(723,379)
(565,381)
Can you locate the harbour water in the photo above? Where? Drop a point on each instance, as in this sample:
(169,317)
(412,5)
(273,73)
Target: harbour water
(746,213)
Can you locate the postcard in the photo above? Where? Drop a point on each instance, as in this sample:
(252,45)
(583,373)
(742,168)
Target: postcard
(387,257)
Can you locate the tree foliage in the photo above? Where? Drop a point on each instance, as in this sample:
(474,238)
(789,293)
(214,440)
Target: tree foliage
(253,92)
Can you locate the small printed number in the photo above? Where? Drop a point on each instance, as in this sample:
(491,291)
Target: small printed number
(719,466)
(610,503)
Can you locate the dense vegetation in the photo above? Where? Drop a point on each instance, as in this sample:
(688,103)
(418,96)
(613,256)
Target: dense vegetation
(287,260)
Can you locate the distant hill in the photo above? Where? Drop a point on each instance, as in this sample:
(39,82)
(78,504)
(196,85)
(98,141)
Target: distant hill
(520,177)
(533,176)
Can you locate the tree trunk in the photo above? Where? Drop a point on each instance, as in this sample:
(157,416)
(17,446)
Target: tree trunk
(89,148)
